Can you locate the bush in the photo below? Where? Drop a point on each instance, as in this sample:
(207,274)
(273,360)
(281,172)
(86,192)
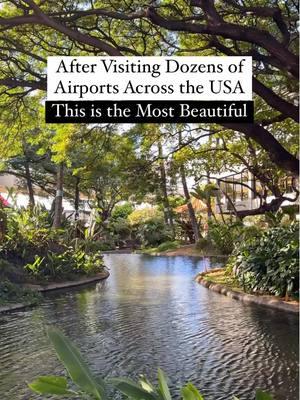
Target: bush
(12,293)
(168,246)
(269,262)
(94,246)
(224,236)
(153,232)
(28,232)
(120,229)
(149,228)
(122,211)
(203,244)
(138,217)
(65,265)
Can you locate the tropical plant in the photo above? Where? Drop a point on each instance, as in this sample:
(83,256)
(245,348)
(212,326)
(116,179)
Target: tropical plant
(90,387)
(122,211)
(169,245)
(268,262)
(65,265)
(223,236)
(12,293)
(153,232)
(207,193)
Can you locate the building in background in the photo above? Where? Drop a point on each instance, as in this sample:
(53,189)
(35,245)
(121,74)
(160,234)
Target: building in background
(14,193)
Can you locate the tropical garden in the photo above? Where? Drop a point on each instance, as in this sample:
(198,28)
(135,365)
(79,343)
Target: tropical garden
(148,188)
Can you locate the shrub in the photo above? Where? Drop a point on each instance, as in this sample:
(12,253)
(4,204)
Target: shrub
(94,246)
(120,229)
(138,217)
(269,262)
(223,236)
(168,246)
(28,232)
(12,293)
(153,232)
(122,211)
(148,227)
(65,265)
(203,244)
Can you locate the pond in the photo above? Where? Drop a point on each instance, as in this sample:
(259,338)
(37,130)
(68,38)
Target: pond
(150,313)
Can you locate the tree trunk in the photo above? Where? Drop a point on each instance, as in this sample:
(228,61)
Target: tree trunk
(76,199)
(58,209)
(167,209)
(3,223)
(219,204)
(31,202)
(189,205)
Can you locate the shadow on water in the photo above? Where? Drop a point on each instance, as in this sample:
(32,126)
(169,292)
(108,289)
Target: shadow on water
(151,313)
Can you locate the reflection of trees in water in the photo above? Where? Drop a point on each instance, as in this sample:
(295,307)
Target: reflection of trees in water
(150,313)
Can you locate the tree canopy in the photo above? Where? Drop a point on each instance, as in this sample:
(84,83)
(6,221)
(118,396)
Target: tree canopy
(31,30)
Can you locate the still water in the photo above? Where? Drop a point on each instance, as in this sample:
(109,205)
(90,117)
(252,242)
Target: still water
(151,313)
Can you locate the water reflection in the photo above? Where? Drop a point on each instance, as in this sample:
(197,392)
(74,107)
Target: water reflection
(151,313)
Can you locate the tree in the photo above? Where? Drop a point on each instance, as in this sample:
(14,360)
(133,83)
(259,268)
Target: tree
(267,31)
(206,193)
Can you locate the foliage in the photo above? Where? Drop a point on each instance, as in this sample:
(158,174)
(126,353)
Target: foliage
(206,192)
(12,293)
(170,245)
(148,226)
(223,236)
(91,387)
(140,216)
(276,219)
(204,244)
(153,232)
(65,265)
(45,253)
(120,229)
(28,231)
(122,211)
(269,262)
(94,246)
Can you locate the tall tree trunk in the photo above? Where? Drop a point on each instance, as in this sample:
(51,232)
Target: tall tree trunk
(219,204)
(3,223)
(58,209)
(189,204)
(29,185)
(76,199)
(167,209)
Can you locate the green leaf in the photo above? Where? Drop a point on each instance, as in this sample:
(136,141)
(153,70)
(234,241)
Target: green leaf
(50,385)
(146,385)
(75,365)
(260,395)
(163,385)
(131,389)
(190,392)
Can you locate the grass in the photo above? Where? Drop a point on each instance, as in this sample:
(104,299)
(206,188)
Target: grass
(223,278)
(166,246)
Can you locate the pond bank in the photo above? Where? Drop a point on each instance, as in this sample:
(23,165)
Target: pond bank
(189,250)
(206,279)
(51,287)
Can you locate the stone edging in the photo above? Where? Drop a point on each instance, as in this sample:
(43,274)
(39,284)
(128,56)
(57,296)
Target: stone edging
(268,301)
(68,284)
(54,286)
